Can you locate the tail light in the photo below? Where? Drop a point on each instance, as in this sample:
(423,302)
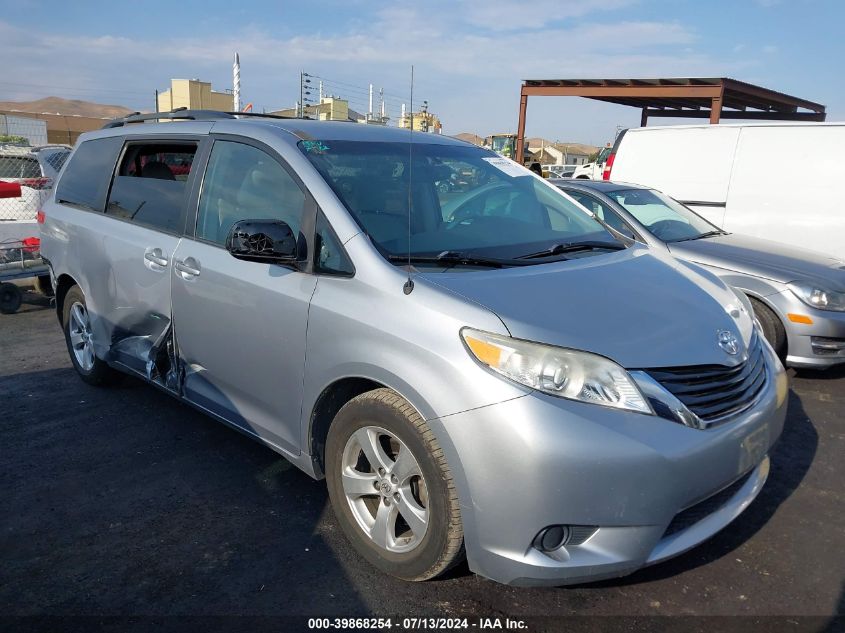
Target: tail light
(31,244)
(40,217)
(36,183)
(608,166)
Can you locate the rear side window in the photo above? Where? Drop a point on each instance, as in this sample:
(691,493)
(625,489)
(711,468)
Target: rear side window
(86,180)
(150,185)
(19,167)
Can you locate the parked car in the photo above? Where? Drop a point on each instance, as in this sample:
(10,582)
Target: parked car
(504,379)
(34,169)
(594,169)
(559,171)
(798,295)
(733,175)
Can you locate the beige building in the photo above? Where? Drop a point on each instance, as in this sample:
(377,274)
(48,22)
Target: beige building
(423,122)
(330,109)
(194,95)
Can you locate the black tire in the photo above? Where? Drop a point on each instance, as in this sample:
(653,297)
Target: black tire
(44,286)
(773,329)
(100,373)
(442,545)
(10,298)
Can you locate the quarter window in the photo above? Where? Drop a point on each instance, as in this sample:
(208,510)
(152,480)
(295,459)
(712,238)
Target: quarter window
(150,185)
(330,256)
(243,182)
(86,180)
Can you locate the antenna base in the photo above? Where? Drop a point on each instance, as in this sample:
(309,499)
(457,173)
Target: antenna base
(408,288)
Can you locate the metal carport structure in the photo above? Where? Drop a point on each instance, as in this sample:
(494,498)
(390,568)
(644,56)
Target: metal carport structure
(689,97)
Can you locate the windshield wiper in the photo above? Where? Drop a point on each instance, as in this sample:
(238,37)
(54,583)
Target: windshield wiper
(452,258)
(572,247)
(698,237)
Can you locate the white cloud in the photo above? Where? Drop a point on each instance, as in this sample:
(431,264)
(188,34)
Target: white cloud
(471,76)
(511,15)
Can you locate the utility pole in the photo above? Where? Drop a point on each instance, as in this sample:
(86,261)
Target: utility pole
(304,92)
(370,111)
(156,101)
(301,94)
(236,84)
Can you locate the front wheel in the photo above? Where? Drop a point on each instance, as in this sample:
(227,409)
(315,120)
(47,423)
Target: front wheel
(391,489)
(773,329)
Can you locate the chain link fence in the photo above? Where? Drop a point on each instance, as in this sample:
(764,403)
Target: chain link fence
(27,159)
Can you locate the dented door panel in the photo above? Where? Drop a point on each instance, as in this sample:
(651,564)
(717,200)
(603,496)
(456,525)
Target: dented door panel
(134,297)
(240,329)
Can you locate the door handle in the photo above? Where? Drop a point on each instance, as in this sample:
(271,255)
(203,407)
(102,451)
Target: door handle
(189,267)
(156,256)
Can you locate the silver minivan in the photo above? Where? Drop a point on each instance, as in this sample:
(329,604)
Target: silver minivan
(482,371)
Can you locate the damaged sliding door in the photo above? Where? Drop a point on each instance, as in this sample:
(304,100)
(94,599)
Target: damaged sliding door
(147,205)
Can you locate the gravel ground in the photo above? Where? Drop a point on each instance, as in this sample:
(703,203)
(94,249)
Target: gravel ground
(124,502)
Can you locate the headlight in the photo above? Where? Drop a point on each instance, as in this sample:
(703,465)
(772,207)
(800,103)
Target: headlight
(744,301)
(817,297)
(557,371)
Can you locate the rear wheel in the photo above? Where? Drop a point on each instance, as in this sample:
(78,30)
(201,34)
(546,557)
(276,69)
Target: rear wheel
(10,298)
(391,489)
(773,329)
(80,344)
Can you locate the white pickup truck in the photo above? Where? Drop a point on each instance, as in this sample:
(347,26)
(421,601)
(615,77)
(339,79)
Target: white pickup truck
(594,170)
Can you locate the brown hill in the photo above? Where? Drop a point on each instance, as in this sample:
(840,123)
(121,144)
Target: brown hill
(71,107)
(470,138)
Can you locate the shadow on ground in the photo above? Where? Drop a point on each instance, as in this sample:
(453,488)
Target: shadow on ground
(791,459)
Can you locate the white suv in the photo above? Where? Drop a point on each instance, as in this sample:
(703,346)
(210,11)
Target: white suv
(34,169)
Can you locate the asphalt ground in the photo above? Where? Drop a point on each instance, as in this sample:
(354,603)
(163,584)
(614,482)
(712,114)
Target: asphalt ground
(123,508)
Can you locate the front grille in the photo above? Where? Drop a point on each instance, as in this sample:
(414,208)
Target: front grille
(703,509)
(716,391)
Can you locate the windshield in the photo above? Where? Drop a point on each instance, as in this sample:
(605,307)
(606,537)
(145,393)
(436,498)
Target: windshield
(463,199)
(501,143)
(667,219)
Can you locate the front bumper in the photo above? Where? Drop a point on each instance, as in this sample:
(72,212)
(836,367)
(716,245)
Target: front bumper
(536,461)
(811,346)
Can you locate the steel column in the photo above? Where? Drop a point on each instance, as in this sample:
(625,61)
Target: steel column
(716,107)
(520,126)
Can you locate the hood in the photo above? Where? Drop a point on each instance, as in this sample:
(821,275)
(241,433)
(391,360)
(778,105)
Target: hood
(762,258)
(637,307)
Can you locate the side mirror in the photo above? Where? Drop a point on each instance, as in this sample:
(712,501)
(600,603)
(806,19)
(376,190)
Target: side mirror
(269,241)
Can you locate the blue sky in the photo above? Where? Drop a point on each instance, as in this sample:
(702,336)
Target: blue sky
(469,56)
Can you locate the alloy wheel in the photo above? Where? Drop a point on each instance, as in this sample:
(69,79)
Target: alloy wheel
(385,489)
(79,331)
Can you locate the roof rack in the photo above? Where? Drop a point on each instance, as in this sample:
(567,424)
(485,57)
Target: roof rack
(188,115)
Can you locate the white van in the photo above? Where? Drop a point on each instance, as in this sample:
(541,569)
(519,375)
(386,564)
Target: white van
(744,178)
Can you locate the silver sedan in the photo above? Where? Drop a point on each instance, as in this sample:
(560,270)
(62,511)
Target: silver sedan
(798,296)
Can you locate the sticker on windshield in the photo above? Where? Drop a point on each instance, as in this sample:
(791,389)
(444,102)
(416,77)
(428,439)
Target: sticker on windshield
(508,166)
(314,147)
